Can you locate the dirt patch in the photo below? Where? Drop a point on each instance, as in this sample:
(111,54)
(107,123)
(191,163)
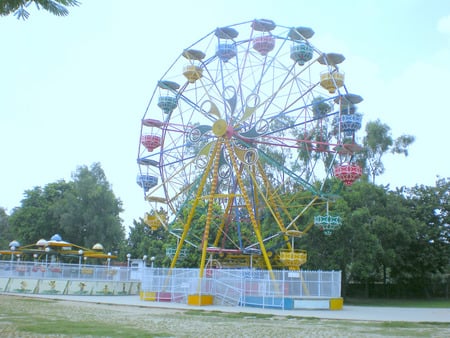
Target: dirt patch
(163,322)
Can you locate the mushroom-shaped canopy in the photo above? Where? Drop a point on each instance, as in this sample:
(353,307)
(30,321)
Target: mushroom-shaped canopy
(14,243)
(41,242)
(56,237)
(97,246)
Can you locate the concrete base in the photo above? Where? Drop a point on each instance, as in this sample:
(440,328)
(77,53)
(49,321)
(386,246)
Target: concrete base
(47,286)
(294,303)
(319,304)
(200,300)
(147,295)
(336,303)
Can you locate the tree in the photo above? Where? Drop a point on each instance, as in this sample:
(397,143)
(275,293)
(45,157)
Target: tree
(5,232)
(83,211)
(394,227)
(89,212)
(356,246)
(36,218)
(377,142)
(142,241)
(18,7)
(370,244)
(429,251)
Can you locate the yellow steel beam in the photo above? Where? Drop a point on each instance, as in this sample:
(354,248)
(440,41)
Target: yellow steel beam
(194,206)
(216,157)
(250,210)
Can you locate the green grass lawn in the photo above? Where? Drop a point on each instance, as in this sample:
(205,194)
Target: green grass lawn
(417,303)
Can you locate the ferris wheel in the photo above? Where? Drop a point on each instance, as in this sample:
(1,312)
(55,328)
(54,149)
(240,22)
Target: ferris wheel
(239,136)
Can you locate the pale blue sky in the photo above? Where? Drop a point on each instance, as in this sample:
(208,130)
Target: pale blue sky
(73,90)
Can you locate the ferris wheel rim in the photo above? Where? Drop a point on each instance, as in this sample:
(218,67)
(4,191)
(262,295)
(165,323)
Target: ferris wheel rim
(242,109)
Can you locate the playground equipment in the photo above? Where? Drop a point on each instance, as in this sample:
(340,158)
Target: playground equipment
(56,266)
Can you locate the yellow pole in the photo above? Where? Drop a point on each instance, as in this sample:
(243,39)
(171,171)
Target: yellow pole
(210,207)
(270,203)
(302,212)
(230,202)
(194,206)
(250,211)
(224,221)
(274,198)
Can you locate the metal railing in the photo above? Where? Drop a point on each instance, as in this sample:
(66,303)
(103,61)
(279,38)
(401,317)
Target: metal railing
(234,285)
(228,286)
(39,270)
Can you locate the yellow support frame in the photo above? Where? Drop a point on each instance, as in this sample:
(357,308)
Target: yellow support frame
(250,210)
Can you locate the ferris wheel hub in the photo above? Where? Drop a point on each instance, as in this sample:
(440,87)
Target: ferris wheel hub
(220,127)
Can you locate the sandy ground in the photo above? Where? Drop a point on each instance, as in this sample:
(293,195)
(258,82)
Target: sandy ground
(365,313)
(179,320)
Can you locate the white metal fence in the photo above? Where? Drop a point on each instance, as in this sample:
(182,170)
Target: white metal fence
(24,269)
(233,286)
(245,287)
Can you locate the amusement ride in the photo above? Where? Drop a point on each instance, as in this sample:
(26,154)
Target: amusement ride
(241,137)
